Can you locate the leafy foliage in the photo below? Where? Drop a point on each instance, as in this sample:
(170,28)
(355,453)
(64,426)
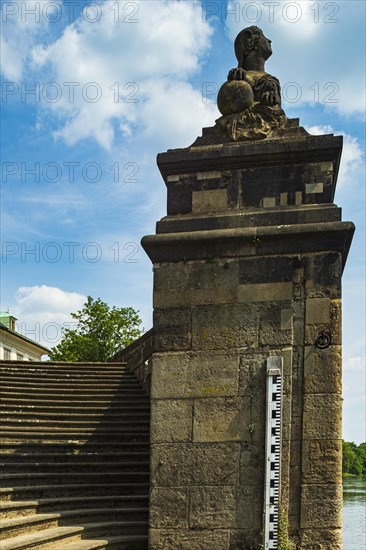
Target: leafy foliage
(284,542)
(354,458)
(101,332)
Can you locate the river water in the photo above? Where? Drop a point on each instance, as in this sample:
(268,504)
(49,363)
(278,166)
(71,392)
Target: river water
(354,513)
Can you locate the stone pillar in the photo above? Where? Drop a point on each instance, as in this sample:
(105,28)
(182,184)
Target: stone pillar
(247,264)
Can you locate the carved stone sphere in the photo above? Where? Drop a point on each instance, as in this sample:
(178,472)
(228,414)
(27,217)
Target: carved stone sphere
(234,96)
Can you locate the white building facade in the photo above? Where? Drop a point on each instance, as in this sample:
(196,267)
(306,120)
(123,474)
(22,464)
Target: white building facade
(15,346)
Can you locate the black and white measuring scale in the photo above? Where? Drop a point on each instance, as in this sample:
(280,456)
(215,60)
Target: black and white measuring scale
(272,482)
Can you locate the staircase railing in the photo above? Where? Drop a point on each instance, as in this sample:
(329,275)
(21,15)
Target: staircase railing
(137,356)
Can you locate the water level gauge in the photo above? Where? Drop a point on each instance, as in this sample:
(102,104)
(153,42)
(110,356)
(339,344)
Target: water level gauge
(273,452)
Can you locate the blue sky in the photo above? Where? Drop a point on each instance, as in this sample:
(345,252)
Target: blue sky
(92,91)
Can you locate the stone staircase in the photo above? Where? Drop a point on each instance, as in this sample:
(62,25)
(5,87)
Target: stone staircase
(74,457)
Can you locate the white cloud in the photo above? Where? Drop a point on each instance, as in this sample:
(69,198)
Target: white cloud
(169,109)
(296,18)
(23,24)
(352,155)
(42,311)
(136,72)
(12,58)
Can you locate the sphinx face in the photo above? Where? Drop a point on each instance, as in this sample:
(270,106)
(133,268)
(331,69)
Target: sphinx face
(264,47)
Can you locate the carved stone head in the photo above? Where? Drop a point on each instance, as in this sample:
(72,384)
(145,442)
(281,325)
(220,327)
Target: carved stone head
(251,42)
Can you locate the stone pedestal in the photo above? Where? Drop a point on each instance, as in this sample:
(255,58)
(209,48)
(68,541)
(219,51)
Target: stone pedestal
(247,264)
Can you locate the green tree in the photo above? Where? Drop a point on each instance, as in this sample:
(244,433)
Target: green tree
(354,458)
(101,332)
(362,455)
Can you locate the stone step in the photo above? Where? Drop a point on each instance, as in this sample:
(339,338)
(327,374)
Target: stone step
(64,437)
(89,425)
(65,376)
(44,380)
(60,478)
(97,366)
(56,538)
(67,385)
(11,389)
(113,543)
(74,457)
(56,374)
(70,447)
(75,466)
(73,398)
(107,407)
(73,444)
(47,403)
(38,522)
(109,374)
(128,430)
(12,509)
(65,458)
(92,416)
(61,537)
(77,405)
(31,492)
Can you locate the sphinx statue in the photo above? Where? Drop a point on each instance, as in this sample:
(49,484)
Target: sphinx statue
(250,99)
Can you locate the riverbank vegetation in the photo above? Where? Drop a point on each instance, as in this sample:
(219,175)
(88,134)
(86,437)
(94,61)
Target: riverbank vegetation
(354,459)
